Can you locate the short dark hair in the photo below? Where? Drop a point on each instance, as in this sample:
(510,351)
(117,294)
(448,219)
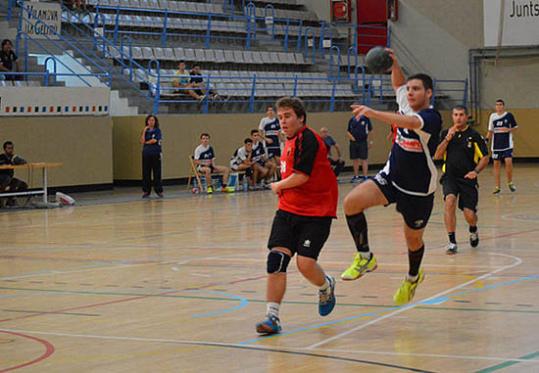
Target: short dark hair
(154,117)
(254,131)
(427,80)
(204,134)
(269,107)
(247,141)
(460,108)
(500,100)
(5,41)
(294,103)
(7,143)
(181,61)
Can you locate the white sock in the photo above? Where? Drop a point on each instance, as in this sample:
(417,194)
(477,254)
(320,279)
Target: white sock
(326,285)
(365,254)
(412,278)
(272,309)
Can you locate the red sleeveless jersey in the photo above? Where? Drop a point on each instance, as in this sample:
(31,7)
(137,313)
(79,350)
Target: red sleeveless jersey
(307,153)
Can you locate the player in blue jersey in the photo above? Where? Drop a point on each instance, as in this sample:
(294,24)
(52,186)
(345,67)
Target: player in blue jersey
(501,126)
(270,131)
(408,178)
(204,158)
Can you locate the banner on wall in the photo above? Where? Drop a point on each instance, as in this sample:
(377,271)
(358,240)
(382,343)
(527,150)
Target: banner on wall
(54,101)
(42,20)
(517,24)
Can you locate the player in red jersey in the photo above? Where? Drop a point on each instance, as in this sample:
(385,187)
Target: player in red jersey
(308,196)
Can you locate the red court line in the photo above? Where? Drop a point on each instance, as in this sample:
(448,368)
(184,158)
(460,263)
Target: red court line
(49,350)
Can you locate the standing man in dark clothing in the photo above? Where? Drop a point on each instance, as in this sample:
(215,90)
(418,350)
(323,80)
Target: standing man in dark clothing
(151,157)
(300,225)
(335,160)
(358,133)
(9,183)
(8,60)
(465,155)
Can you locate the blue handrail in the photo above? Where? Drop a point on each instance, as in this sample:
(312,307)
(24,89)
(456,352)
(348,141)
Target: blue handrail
(331,58)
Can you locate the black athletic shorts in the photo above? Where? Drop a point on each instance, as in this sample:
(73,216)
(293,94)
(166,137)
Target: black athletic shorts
(359,150)
(415,210)
(465,190)
(274,153)
(304,235)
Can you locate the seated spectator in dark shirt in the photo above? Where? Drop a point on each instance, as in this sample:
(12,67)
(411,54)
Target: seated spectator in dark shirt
(8,60)
(197,81)
(9,183)
(336,161)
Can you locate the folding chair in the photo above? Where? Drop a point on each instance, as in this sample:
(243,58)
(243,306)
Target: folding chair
(194,174)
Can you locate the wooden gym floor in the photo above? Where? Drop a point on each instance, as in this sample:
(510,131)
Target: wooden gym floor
(119,284)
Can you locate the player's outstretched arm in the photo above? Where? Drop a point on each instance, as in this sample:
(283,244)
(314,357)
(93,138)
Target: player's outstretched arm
(403,121)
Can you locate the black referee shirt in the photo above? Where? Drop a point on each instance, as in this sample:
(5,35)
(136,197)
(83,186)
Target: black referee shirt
(463,152)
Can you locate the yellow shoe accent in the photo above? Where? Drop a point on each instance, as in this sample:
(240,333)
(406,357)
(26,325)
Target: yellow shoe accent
(359,267)
(209,190)
(407,290)
(229,189)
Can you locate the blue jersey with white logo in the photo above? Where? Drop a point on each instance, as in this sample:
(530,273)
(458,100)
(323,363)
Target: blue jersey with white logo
(204,154)
(360,128)
(501,140)
(271,128)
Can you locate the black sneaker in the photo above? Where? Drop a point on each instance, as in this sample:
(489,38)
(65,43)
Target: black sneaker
(474,239)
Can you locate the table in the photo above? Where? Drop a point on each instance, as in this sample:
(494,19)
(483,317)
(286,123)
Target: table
(32,166)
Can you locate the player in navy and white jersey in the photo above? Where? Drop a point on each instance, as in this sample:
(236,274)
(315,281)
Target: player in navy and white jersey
(204,158)
(501,126)
(263,170)
(270,131)
(242,159)
(408,178)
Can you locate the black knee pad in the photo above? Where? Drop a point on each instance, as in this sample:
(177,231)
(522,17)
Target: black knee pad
(277,262)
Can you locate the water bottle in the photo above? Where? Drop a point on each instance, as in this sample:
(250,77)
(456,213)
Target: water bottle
(245,184)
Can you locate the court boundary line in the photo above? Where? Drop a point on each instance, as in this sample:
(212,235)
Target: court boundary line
(264,348)
(517,262)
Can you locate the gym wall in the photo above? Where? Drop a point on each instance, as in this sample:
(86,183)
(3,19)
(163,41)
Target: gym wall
(181,136)
(82,144)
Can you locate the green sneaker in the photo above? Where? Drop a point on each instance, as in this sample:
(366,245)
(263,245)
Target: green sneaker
(209,190)
(512,187)
(497,190)
(359,267)
(406,292)
(229,189)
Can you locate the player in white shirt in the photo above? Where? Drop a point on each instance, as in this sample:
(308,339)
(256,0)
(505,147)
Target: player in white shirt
(204,158)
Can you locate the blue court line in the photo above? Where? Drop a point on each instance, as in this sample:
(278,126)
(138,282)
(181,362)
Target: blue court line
(443,299)
(508,363)
(435,301)
(243,303)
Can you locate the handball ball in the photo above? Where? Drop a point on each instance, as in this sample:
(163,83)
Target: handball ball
(378,60)
(195,191)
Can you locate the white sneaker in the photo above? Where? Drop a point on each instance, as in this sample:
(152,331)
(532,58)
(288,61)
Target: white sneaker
(451,249)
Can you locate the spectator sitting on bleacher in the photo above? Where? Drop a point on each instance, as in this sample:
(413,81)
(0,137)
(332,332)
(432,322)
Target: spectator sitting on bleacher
(241,160)
(181,82)
(204,159)
(336,162)
(9,61)
(200,87)
(9,183)
(263,170)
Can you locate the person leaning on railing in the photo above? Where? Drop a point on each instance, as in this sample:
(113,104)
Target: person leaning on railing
(9,183)
(9,61)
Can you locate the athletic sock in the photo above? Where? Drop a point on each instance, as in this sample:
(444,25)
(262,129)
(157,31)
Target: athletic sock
(414,259)
(473,228)
(272,309)
(324,288)
(357,224)
(452,238)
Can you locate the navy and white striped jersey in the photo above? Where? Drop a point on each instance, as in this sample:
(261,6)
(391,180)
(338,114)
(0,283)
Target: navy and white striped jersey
(501,140)
(259,151)
(204,154)
(410,166)
(271,128)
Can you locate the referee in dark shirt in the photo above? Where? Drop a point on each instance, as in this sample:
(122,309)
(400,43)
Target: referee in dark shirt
(465,155)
